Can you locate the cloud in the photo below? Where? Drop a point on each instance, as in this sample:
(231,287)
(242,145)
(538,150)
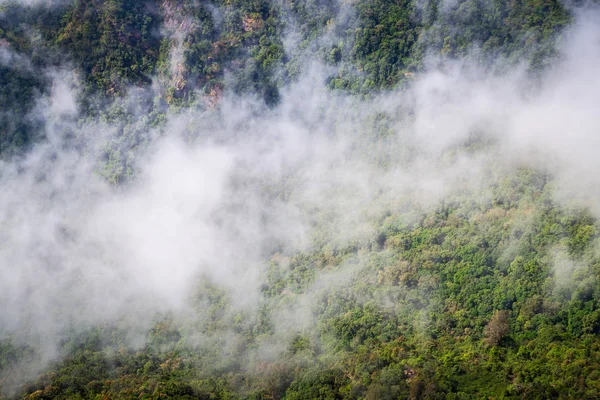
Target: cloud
(316,170)
(35,3)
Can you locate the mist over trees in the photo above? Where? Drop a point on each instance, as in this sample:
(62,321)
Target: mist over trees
(281,199)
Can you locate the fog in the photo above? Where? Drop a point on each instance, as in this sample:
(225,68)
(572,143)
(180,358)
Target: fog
(218,192)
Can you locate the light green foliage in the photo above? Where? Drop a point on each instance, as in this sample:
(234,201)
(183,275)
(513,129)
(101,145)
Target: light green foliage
(434,311)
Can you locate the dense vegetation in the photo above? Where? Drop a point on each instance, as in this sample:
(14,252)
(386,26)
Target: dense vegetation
(376,45)
(491,296)
(464,302)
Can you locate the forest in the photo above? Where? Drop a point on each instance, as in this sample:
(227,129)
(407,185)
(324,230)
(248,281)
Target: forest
(284,199)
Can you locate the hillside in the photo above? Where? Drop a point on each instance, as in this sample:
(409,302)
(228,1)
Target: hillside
(280,199)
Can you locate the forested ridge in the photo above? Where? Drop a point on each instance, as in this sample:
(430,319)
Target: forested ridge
(488,289)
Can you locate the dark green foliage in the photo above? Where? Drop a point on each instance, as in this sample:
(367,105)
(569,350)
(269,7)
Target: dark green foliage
(115,42)
(516,30)
(322,385)
(385,39)
(19,126)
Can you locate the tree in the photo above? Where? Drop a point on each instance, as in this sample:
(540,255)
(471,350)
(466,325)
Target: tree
(497,328)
